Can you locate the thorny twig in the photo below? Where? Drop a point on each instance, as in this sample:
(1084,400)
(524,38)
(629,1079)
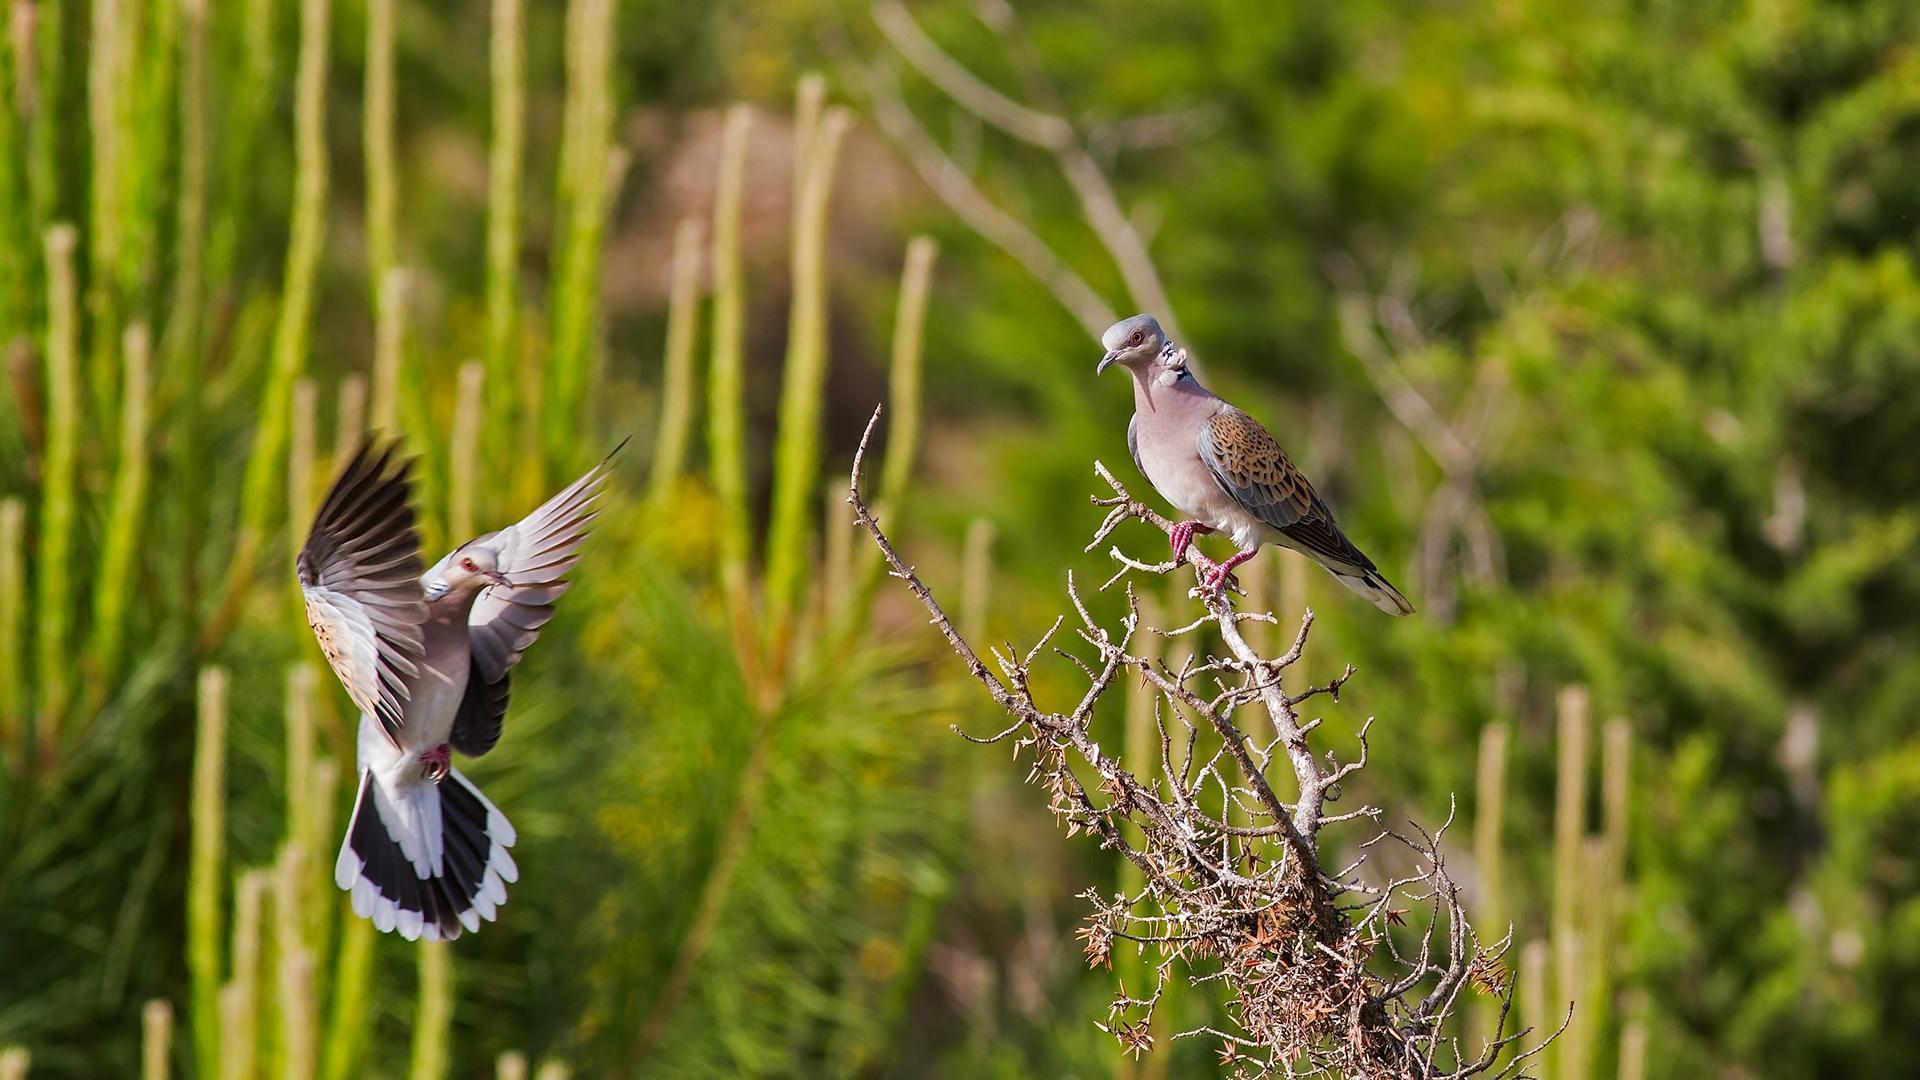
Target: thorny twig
(1330,973)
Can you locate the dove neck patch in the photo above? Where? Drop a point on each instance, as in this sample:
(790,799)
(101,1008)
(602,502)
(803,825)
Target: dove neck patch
(1174,359)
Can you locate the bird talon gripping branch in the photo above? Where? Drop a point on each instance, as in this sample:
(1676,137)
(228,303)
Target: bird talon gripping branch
(1182,538)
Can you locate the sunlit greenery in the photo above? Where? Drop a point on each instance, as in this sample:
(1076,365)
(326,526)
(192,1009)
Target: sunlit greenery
(1654,264)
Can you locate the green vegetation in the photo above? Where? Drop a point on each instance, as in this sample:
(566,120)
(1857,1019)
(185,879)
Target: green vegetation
(1599,324)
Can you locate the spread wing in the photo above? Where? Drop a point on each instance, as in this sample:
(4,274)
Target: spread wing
(1251,467)
(360,575)
(535,554)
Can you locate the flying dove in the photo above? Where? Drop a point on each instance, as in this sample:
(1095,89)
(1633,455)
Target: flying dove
(426,657)
(1224,471)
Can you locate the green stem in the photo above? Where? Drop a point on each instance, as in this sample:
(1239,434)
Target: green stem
(676,391)
(301,436)
(17,303)
(389,337)
(903,391)
(54,600)
(290,339)
(124,522)
(294,964)
(796,460)
(107,70)
(377,135)
(1490,914)
(44,136)
(240,997)
(584,191)
(433,1017)
(726,425)
(1569,830)
(503,209)
(179,383)
(464,452)
(13,697)
(205,858)
(351,1017)
(156,1040)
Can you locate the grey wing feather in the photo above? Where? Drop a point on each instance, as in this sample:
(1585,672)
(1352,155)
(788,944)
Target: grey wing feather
(535,554)
(1133,442)
(1249,465)
(483,708)
(360,577)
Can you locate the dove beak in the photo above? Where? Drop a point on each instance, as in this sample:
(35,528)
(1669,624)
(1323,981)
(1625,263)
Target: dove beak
(1106,362)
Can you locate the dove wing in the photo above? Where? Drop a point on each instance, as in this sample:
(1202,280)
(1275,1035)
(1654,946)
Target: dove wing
(535,554)
(360,576)
(1248,463)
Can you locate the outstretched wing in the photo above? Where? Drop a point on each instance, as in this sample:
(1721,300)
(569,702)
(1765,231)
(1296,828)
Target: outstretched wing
(360,575)
(1249,464)
(535,554)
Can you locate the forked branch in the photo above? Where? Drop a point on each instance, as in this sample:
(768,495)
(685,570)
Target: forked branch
(1361,971)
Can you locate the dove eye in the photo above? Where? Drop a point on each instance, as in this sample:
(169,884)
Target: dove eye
(467,565)
(1135,339)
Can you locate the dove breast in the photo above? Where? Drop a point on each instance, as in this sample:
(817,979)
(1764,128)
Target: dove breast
(1169,457)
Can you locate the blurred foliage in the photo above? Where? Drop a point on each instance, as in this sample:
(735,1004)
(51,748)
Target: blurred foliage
(1678,238)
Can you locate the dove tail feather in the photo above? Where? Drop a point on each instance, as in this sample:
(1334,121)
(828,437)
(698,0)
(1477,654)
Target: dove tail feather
(1379,590)
(401,879)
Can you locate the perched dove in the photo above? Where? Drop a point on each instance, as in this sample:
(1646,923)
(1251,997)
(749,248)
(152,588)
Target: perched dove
(426,658)
(1224,471)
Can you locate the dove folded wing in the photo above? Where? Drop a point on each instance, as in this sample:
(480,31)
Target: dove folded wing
(1249,465)
(359,575)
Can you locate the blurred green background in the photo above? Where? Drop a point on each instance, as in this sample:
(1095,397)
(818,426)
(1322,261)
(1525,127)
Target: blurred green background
(1598,322)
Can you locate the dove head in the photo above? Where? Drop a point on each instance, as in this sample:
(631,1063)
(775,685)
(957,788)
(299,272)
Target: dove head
(468,569)
(1134,342)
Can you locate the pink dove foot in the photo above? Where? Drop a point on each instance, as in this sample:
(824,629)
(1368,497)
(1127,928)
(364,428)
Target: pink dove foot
(1217,580)
(1182,538)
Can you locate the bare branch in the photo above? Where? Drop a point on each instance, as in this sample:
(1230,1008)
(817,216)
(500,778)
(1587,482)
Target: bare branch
(1330,974)
(956,188)
(1045,127)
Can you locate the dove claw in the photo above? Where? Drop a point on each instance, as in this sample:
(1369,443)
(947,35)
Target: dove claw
(1182,538)
(1220,577)
(435,763)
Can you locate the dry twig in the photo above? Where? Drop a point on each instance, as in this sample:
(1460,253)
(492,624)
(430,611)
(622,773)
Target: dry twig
(1336,973)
